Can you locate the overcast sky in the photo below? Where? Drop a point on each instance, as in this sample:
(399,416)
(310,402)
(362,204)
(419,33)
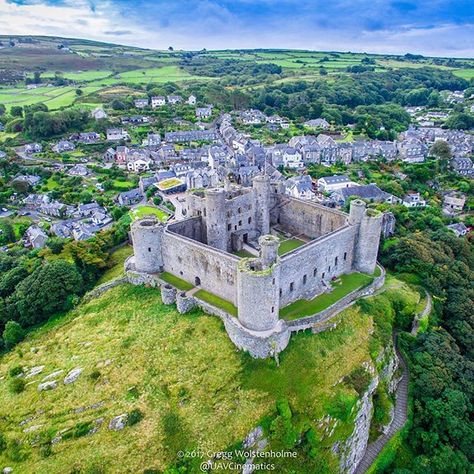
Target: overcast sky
(430,27)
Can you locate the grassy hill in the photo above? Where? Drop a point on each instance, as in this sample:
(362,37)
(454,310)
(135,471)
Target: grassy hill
(193,388)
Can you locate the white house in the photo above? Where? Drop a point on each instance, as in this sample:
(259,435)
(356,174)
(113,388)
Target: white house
(413,200)
(333,183)
(158,101)
(191,100)
(116,134)
(292,158)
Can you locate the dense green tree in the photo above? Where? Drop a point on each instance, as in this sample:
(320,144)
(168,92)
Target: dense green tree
(12,334)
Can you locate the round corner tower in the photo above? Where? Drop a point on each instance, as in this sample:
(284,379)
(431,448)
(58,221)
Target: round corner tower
(367,238)
(147,236)
(262,190)
(216,218)
(258,287)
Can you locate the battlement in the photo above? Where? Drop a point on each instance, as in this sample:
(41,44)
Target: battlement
(202,248)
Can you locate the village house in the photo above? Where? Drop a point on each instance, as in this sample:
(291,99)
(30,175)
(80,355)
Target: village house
(63,146)
(140,103)
(28,179)
(203,112)
(138,164)
(317,123)
(459,229)
(300,187)
(463,166)
(153,140)
(31,148)
(116,134)
(412,150)
(202,178)
(174,99)
(328,184)
(79,170)
(99,114)
(128,198)
(191,100)
(35,237)
(252,117)
(453,203)
(413,200)
(370,192)
(158,101)
(292,158)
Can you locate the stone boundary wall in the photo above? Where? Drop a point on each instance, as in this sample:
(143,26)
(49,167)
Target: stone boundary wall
(308,321)
(95,292)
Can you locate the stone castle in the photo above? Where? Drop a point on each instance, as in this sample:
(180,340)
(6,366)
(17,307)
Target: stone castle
(215,224)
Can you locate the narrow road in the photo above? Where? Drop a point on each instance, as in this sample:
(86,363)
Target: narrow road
(422,314)
(399,420)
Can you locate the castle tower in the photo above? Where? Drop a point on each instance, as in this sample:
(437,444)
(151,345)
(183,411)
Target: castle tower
(268,249)
(216,219)
(369,222)
(262,190)
(147,236)
(258,287)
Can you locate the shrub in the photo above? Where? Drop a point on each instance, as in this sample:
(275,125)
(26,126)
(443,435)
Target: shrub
(16,385)
(95,375)
(15,370)
(3,443)
(134,417)
(12,334)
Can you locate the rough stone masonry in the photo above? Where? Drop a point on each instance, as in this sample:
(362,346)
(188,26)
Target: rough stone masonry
(199,247)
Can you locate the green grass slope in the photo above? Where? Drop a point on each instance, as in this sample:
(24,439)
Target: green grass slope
(195,390)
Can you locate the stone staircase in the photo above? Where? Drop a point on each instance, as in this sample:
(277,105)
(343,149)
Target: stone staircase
(399,419)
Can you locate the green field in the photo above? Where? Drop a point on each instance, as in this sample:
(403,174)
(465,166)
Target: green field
(341,287)
(186,378)
(217,302)
(143,211)
(157,74)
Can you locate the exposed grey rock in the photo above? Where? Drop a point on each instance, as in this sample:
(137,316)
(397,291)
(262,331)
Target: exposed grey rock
(32,428)
(56,439)
(53,375)
(118,422)
(353,449)
(73,375)
(34,371)
(7,470)
(47,386)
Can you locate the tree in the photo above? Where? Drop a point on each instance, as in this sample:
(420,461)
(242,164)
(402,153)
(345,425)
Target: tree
(442,151)
(12,334)
(79,92)
(46,291)
(3,110)
(16,111)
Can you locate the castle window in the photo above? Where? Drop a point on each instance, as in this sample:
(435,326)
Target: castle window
(292,286)
(239,210)
(228,213)
(281,292)
(322,276)
(304,279)
(329,268)
(345,256)
(235,227)
(240,223)
(273,282)
(249,220)
(273,309)
(335,262)
(315,272)
(229,226)
(204,212)
(149,249)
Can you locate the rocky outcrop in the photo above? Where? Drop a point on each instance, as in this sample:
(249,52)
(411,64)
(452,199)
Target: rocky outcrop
(353,449)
